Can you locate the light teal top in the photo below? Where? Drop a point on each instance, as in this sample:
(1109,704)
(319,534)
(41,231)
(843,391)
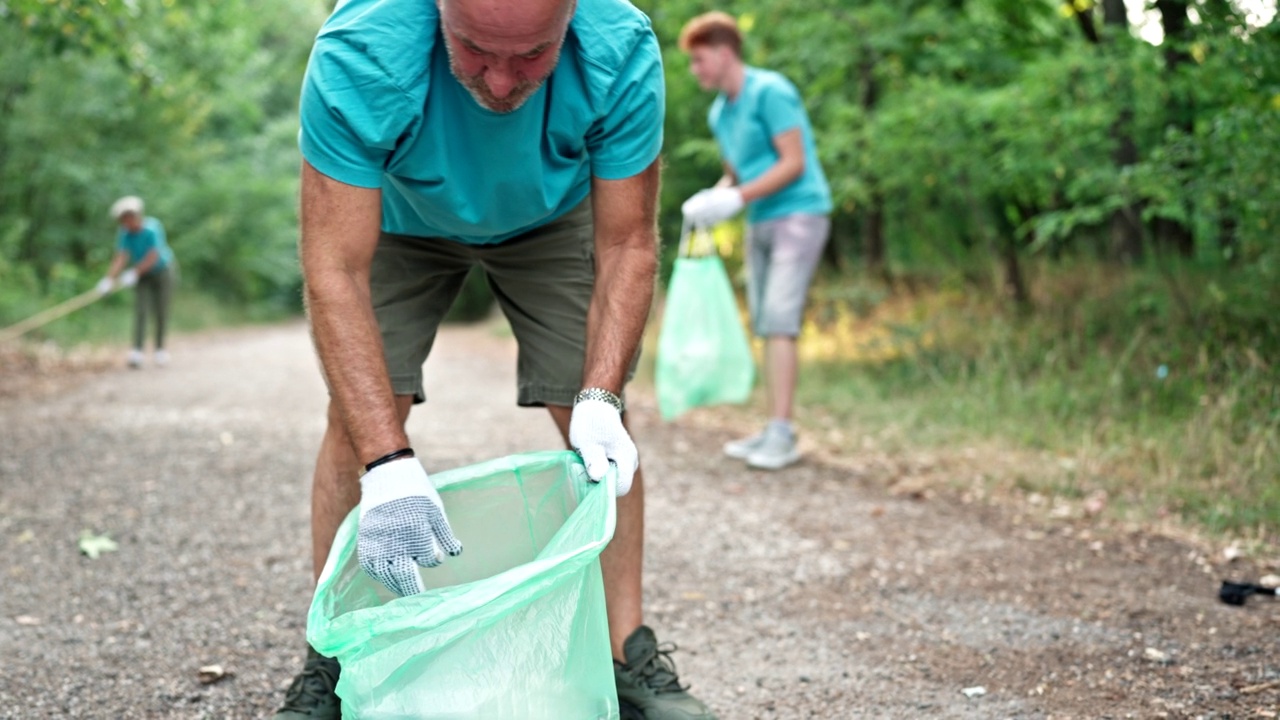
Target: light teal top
(149,237)
(381,109)
(767,106)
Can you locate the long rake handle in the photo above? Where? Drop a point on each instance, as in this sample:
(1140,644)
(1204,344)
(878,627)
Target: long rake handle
(49,315)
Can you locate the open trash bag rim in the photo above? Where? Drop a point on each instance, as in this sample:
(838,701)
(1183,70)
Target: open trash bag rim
(337,636)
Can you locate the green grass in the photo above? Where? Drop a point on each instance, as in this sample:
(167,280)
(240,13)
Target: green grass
(110,320)
(1168,405)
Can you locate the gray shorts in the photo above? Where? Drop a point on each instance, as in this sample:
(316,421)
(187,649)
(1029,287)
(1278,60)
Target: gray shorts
(782,255)
(542,281)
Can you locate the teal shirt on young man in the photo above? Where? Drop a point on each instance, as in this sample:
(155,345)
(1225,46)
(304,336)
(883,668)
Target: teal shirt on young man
(381,109)
(767,106)
(149,237)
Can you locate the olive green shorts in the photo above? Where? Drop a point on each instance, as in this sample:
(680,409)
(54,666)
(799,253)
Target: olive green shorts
(541,279)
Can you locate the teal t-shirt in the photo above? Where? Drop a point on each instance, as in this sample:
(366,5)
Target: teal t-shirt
(381,109)
(767,106)
(138,244)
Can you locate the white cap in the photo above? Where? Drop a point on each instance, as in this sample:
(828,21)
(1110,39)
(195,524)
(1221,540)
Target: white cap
(126,204)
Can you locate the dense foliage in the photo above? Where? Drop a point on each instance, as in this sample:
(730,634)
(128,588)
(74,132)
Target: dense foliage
(192,106)
(955,132)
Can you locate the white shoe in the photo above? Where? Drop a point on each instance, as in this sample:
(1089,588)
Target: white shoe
(741,449)
(777,450)
(161,358)
(135,359)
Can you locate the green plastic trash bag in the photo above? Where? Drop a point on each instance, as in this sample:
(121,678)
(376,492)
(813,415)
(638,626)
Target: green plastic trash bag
(704,357)
(512,629)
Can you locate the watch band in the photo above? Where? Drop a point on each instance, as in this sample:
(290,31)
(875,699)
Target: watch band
(596,393)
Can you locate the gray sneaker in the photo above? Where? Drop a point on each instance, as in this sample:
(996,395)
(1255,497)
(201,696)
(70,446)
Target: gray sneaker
(742,449)
(777,450)
(648,688)
(312,696)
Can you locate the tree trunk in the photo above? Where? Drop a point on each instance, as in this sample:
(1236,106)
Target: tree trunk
(833,253)
(1015,282)
(873,244)
(1126,227)
(1003,244)
(1172,234)
(1085,19)
(873,235)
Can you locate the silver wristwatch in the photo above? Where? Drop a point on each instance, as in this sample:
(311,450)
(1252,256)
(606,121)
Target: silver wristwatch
(596,393)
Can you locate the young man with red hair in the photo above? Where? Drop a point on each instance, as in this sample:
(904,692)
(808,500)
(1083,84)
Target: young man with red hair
(771,168)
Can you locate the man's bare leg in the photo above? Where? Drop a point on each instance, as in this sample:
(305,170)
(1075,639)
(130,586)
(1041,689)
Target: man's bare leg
(335,486)
(622,561)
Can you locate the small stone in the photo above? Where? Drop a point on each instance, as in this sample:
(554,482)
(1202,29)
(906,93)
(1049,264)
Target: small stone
(1156,656)
(210,674)
(976,691)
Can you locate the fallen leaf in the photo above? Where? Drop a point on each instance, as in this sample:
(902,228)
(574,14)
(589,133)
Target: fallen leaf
(94,545)
(1231,553)
(26,537)
(976,691)
(210,674)
(1269,581)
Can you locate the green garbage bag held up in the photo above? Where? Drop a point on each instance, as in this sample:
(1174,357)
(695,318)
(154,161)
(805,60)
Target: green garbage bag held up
(704,357)
(513,629)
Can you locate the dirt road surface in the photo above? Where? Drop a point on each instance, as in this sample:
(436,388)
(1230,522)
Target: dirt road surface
(810,593)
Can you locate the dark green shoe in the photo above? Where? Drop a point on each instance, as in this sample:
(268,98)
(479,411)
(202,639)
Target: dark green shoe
(312,696)
(648,688)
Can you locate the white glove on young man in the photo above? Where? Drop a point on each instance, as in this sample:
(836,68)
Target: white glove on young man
(402,525)
(713,205)
(104,285)
(596,432)
(129,278)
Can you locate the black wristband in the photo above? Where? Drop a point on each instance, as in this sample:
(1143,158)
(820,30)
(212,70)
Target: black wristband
(396,455)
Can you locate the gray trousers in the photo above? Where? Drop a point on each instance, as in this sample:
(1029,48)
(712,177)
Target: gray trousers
(782,255)
(152,294)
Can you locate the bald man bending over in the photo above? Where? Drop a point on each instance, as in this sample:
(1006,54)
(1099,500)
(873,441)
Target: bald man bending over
(523,136)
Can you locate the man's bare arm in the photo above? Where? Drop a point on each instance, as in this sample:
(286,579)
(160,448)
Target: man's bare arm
(626,243)
(729,178)
(340,227)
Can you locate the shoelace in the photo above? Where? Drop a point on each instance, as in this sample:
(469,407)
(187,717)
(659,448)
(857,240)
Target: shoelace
(659,670)
(316,681)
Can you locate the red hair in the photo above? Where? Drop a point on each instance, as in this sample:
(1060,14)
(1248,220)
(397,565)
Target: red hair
(712,29)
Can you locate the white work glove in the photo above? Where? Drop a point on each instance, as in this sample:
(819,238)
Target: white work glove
(402,525)
(692,208)
(713,205)
(104,285)
(596,432)
(129,278)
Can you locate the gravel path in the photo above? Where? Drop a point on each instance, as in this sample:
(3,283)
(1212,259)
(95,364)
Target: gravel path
(812,593)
